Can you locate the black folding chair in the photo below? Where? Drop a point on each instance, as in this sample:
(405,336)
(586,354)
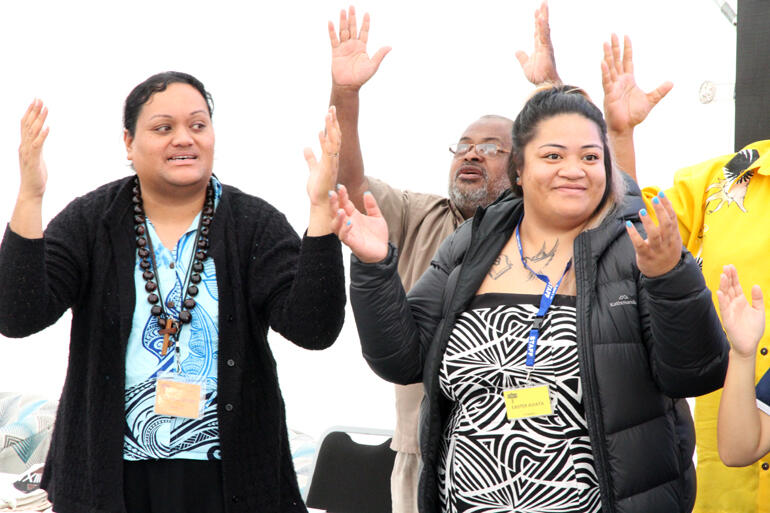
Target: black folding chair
(351,477)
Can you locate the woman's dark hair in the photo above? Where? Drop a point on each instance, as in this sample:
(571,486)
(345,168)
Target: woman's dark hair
(545,104)
(142,93)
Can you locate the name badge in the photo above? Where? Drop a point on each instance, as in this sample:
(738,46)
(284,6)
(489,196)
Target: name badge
(526,402)
(177,397)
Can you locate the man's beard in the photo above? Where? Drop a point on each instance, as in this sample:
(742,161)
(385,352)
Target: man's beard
(468,199)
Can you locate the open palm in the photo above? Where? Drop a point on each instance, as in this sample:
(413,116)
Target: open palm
(744,323)
(365,234)
(625,104)
(351,64)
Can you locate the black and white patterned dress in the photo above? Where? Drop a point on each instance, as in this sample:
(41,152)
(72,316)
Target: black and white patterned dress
(489,463)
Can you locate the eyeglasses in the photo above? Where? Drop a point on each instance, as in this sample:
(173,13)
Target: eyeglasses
(483,149)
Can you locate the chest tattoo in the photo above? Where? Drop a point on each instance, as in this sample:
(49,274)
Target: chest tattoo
(540,260)
(501,266)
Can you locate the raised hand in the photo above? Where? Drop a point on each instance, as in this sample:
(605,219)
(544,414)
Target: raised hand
(625,104)
(323,173)
(743,323)
(662,249)
(365,234)
(34,174)
(540,67)
(351,65)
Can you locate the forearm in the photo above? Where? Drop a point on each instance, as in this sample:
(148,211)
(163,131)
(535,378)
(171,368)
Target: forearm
(689,346)
(739,428)
(386,328)
(320,221)
(27,217)
(311,311)
(622,144)
(351,164)
(27,305)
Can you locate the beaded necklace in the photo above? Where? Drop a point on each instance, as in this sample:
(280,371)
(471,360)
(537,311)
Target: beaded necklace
(170,327)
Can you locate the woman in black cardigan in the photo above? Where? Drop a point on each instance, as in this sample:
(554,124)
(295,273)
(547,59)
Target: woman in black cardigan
(171,401)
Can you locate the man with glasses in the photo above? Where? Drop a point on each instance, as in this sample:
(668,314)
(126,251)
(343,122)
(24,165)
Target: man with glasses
(419,222)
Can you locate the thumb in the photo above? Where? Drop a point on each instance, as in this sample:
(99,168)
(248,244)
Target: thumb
(659,93)
(310,159)
(381,53)
(522,57)
(371,205)
(757,301)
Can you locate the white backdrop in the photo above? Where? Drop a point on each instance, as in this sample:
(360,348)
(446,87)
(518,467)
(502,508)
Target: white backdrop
(267,65)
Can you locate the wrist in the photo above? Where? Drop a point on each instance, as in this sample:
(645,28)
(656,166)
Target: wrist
(345,91)
(30,197)
(623,133)
(740,356)
(376,256)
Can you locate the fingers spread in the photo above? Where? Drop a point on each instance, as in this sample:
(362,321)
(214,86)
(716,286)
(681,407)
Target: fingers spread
(628,59)
(333,36)
(636,239)
(344,33)
(352,22)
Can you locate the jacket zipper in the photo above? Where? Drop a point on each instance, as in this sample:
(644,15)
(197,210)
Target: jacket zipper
(588,375)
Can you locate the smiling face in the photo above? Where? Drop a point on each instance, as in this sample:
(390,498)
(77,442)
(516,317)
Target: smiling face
(476,180)
(563,177)
(173,143)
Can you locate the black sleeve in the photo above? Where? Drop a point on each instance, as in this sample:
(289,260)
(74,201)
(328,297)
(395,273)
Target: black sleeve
(299,285)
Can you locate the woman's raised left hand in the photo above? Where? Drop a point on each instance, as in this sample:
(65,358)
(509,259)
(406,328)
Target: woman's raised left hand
(323,172)
(323,176)
(662,249)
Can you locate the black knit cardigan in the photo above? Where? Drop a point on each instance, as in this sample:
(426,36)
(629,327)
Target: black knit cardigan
(266,278)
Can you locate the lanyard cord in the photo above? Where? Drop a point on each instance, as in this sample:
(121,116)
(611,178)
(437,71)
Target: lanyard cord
(545,303)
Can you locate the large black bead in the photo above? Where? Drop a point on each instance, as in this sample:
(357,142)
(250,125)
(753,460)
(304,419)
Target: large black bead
(206,221)
(138,210)
(156,310)
(136,200)
(189,303)
(208,210)
(203,243)
(145,264)
(135,190)
(204,231)
(195,278)
(141,242)
(139,219)
(192,290)
(139,229)
(200,255)
(185,316)
(198,267)
(144,252)
(150,286)
(152,299)
(148,275)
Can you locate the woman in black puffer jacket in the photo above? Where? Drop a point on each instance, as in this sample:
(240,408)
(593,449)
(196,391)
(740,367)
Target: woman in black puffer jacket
(570,400)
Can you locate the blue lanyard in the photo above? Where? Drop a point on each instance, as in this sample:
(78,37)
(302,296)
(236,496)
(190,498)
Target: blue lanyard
(545,302)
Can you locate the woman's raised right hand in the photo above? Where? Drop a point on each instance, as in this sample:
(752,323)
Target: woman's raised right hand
(365,234)
(34,174)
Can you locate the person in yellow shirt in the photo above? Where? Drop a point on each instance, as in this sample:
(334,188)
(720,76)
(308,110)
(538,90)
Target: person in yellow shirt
(722,209)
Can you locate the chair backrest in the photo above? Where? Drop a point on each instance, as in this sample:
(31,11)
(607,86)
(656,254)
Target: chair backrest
(350,477)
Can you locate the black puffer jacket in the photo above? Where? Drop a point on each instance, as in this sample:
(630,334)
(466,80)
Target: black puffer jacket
(643,345)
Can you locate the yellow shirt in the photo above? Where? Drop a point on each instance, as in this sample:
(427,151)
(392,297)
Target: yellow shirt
(723,209)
